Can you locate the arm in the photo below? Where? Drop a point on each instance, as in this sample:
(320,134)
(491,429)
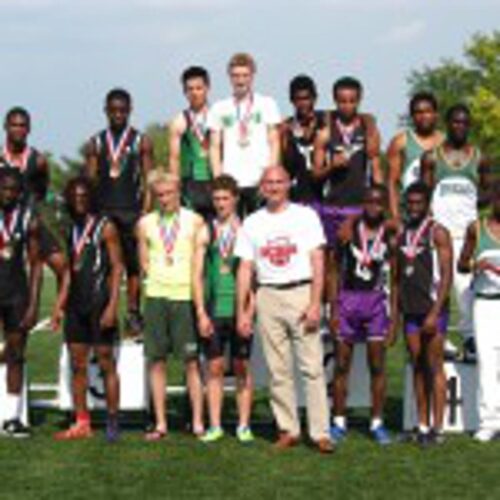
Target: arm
(142,244)
(373,148)
(61,301)
(394,291)
(395,166)
(312,314)
(112,242)
(466,260)
(147,165)
(91,160)
(41,181)
(215,152)
(427,165)
(273,137)
(176,129)
(321,168)
(244,297)
(485,182)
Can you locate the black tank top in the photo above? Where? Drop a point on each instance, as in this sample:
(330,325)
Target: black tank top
(298,158)
(89,289)
(345,186)
(13,275)
(355,273)
(124,191)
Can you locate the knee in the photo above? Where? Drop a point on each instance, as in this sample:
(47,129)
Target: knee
(216,370)
(377,369)
(342,368)
(241,369)
(79,366)
(107,363)
(14,355)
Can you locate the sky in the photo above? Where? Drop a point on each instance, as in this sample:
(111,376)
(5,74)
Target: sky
(58,58)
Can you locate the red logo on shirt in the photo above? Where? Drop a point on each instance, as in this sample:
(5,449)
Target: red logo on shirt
(278,251)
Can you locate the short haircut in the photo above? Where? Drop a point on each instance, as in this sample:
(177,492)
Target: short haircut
(18,111)
(348,82)
(159,176)
(119,94)
(73,184)
(457,108)
(420,188)
(225,182)
(423,96)
(301,83)
(380,188)
(242,59)
(195,72)
(14,174)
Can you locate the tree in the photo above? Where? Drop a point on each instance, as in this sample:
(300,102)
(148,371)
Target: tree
(475,82)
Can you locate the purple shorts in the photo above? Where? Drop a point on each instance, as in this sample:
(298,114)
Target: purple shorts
(363,316)
(332,217)
(413,323)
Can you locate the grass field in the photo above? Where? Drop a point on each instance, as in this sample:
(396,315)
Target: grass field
(180,467)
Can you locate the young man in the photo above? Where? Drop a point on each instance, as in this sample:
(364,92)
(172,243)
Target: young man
(360,311)
(89,300)
(189,143)
(118,160)
(244,135)
(407,147)
(167,241)
(481,256)
(19,291)
(282,244)
(424,274)
(460,176)
(34,168)
(298,133)
(214,294)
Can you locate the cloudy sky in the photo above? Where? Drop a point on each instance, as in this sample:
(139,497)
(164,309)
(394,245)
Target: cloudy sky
(59,57)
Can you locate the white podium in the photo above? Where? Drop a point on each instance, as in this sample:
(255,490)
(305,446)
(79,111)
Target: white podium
(461,413)
(131,370)
(3,395)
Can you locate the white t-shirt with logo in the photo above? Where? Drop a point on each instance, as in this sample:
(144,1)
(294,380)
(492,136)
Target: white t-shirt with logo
(245,162)
(280,243)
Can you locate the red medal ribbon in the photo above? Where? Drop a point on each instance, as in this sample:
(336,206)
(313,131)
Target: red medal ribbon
(413,240)
(79,240)
(7,226)
(20,161)
(169,232)
(244,120)
(226,236)
(367,253)
(346,131)
(198,125)
(116,152)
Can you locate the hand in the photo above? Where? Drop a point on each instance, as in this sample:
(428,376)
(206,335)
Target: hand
(108,318)
(394,223)
(430,324)
(56,319)
(339,160)
(205,326)
(483,265)
(311,318)
(392,333)
(29,319)
(244,326)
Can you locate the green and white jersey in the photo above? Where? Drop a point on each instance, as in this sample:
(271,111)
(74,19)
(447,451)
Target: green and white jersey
(194,149)
(487,283)
(413,152)
(454,201)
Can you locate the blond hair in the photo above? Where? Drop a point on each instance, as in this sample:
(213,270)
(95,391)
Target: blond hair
(242,59)
(160,176)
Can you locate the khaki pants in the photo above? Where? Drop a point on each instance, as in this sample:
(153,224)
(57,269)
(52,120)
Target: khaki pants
(283,336)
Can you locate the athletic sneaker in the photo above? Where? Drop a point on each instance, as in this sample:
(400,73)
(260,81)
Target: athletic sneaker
(16,429)
(469,351)
(485,435)
(381,436)
(212,435)
(437,437)
(134,324)
(450,351)
(76,431)
(424,439)
(112,431)
(338,433)
(244,435)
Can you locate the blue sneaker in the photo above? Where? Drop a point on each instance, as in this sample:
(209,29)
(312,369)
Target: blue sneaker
(381,436)
(338,433)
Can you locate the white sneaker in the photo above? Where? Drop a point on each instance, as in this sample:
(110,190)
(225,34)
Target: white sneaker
(484,435)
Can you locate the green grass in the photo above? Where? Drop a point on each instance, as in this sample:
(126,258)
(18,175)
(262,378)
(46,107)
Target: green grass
(180,467)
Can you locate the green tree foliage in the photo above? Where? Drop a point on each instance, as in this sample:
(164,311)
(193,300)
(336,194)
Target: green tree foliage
(159,136)
(475,82)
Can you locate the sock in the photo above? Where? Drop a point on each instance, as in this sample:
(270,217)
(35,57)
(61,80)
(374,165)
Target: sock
(376,422)
(423,429)
(83,417)
(339,421)
(13,406)
(242,428)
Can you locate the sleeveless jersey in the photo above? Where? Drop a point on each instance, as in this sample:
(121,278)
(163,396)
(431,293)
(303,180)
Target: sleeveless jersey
(220,279)
(13,275)
(413,152)
(89,289)
(124,191)
(357,275)
(298,158)
(194,155)
(487,283)
(345,186)
(169,276)
(454,201)
(419,277)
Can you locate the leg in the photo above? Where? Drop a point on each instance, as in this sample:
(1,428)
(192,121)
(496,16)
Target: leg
(343,358)
(107,364)
(434,354)
(215,390)
(244,391)
(195,389)
(376,362)
(463,294)
(158,382)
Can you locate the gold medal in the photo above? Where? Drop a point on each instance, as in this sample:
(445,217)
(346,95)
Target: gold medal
(7,253)
(225,268)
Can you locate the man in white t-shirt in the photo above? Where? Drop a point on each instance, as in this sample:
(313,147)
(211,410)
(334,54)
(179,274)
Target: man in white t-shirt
(244,136)
(282,244)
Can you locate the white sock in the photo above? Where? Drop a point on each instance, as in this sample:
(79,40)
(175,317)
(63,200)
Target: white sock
(423,429)
(340,421)
(376,422)
(13,403)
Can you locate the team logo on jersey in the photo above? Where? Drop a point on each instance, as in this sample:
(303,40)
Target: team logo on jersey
(278,251)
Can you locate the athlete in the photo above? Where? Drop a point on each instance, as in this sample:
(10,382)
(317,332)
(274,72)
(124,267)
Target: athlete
(16,153)
(360,311)
(407,147)
(89,299)
(481,256)
(460,176)
(424,274)
(297,138)
(118,160)
(189,143)
(167,239)
(244,135)
(215,299)
(19,290)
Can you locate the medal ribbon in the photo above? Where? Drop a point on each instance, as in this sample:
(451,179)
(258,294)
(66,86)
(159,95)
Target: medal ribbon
(413,240)
(244,120)
(21,162)
(116,152)
(7,226)
(198,125)
(169,232)
(226,238)
(367,253)
(79,240)
(346,131)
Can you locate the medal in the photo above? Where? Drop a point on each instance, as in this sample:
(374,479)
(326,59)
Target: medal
(79,240)
(7,253)
(20,161)
(225,268)
(369,254)
(198,126)
(116,152)
(410,249)
(7,228)
(226,237)
(409,270)
(169,230)
(244,121)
